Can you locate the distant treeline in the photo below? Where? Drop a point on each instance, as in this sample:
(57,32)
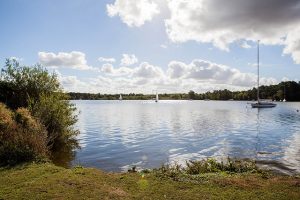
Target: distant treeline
(289,90)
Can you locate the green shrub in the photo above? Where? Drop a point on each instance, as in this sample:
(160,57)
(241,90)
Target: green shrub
(34,88)
(58,117)
(21,84)
(22,138)
(6,117)
(210,165)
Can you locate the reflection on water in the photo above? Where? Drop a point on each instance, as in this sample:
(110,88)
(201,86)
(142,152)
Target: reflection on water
(64,153)
(118,134)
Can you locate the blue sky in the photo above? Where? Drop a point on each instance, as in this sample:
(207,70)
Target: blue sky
(166,53)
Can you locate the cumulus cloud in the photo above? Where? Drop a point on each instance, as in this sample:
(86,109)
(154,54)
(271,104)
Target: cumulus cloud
(199,75)
(293,45)
(245,45)
(274,22)
(145,70)
(72,83)
(74,60)
(128,59)
(108,60)
(107,68)
(205,71)
(133,12)
(110,70)
(223,23)
(284,79)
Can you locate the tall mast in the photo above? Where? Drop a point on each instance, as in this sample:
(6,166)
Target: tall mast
(258,71)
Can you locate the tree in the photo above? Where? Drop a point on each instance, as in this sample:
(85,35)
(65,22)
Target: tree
(34,88)
(191,94)
(21,85)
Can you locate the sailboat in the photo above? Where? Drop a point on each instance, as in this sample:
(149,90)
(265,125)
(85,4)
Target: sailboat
(259,103)
(156,98)
(284,100)
(120,98)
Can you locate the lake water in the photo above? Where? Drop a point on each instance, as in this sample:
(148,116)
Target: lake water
(116,135)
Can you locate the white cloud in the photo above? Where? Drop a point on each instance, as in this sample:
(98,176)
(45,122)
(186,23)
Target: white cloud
(128,59)
(222,23)
(74,60)
(199,75)
(284,79)
(176,69)
(205,71)
(133,12)
(73,84)
(109,69)
(145,70)
(274,22)
(109,60)
(245,45)
(293,44)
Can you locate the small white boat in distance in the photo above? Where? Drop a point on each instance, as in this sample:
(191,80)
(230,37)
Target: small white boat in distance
(120,98)
(156,98)
(259,103)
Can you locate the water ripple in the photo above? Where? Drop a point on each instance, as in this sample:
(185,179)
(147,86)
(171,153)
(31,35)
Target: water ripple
(117,135)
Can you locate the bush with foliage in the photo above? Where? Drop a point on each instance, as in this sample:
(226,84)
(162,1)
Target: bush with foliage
(197,168)
(21,85)
(34,88)
(57,115)
(22,137)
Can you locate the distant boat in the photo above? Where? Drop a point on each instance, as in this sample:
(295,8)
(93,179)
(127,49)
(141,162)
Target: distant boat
(259,103)
(120,98)
(284,100)
(156,98)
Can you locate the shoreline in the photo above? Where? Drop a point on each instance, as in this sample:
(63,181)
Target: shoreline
(47,181)
(174,100)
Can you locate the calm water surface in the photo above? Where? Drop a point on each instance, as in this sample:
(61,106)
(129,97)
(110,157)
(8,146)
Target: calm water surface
(116,135)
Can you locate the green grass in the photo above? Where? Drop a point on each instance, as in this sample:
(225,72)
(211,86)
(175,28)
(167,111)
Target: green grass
(47,181)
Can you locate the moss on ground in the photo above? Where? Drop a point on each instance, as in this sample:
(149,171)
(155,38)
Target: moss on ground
(47,181)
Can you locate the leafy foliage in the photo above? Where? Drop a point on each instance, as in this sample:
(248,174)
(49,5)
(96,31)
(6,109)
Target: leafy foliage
(21,84)
(40,93)
(209,165)
(22,137)
(58,117)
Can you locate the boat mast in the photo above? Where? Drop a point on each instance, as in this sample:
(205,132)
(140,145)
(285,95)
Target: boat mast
(258,71)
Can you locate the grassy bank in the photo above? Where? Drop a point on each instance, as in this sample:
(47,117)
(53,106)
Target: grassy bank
(47,181)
